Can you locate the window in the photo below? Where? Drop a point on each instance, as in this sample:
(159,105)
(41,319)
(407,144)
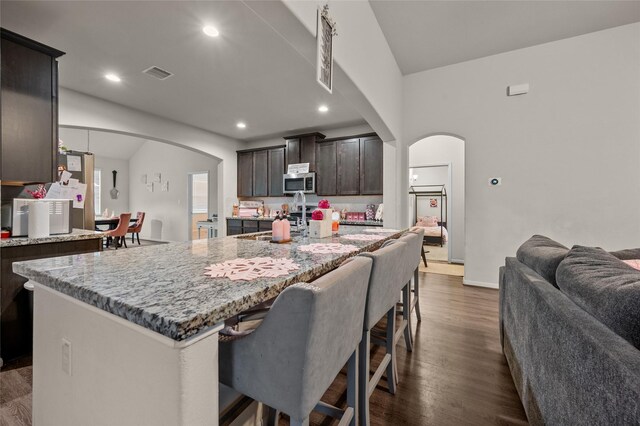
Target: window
(97,183)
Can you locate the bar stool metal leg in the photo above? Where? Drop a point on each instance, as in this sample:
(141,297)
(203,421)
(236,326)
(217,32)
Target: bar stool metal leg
(392,377)
(416,293)
(406,315)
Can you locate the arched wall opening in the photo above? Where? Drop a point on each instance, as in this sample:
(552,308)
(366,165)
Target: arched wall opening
(139,160)
(440,159)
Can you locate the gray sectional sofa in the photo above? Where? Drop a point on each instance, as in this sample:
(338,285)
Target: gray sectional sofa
(570,331)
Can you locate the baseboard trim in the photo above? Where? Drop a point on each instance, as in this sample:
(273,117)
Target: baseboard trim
(457,261)
(479,284)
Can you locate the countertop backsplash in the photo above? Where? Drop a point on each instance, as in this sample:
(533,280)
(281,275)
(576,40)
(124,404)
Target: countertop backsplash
(352,203)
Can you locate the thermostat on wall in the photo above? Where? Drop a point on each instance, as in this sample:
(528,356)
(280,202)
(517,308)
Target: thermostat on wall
(496,181)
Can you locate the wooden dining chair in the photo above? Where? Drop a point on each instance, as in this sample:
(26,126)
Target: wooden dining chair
(137,227)
(118,235)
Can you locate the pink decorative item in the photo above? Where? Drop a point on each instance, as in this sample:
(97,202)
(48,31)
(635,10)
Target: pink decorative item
(39,193)
(286,230)
(634,263)
(363,237)
(324,204)
(277,230)
(381,230)
(330,248)
(317,215)
(251,269)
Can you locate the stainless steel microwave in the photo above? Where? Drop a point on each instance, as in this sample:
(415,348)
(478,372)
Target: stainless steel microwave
(305,182)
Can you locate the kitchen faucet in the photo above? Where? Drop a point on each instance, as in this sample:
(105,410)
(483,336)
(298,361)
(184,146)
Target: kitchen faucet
(301,224)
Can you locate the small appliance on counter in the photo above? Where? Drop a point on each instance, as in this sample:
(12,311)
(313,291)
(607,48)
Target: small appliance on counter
(59,216)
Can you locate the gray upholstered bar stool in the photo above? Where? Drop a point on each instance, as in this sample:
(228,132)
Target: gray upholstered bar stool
(385,284)
(413,240)
(309,334)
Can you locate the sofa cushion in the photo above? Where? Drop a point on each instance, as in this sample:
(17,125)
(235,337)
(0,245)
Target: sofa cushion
(604,286)
(543,255)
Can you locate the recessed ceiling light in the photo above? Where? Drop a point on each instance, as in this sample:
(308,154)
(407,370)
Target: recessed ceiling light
(323,108)
(211,31)
(241,125)
(113,77)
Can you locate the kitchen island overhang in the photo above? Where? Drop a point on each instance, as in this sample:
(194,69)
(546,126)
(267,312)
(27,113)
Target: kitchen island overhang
(144,338)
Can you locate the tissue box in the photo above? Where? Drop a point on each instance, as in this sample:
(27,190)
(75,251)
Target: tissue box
(326,214)
(320,229)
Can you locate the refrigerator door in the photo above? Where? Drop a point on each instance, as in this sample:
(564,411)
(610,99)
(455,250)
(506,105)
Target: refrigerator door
(81,166)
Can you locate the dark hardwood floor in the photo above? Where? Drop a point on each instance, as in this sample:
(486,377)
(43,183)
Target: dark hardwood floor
(456,374)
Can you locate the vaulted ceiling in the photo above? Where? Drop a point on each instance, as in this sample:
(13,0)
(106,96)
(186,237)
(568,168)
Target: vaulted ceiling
(431,34)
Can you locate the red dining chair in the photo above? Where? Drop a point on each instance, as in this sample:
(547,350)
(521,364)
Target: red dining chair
(120,232)
(137,227)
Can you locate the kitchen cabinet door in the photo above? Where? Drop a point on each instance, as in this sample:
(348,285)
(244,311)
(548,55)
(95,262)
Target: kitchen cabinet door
(326,157)
(29,110)
(371,166)
(308,151)
(245,174)
(293,151)
(276,170)
(260,173)
(348,167)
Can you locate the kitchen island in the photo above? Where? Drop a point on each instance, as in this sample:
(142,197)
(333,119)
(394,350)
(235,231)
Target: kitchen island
(131,337)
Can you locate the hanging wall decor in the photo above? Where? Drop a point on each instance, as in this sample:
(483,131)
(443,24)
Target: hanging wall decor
(433,202)
(325,31)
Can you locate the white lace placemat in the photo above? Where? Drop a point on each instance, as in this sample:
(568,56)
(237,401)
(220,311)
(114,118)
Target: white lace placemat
(328,248)
(251,269)
(362,237)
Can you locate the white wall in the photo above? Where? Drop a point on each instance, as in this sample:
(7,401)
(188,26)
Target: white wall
(76,139)
(167,215)
(79,110)
(444,149)
(568,152)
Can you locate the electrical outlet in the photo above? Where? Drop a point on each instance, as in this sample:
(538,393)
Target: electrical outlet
(496,181)
(66,356)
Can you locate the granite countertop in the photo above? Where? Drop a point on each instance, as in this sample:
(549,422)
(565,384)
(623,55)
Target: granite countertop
(75,235)
(163,287)
(342,222)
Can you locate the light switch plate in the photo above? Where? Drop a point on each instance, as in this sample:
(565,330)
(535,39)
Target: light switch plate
(518,89)
(495,181)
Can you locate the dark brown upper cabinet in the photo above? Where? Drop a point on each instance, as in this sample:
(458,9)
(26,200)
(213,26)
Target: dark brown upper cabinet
(245,174)
(371,166)
(29,109)
(348,167)
(326,174)
(302,149)
(260,173)
(276,170)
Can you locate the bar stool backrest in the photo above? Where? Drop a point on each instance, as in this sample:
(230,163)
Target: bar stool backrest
(386,282)
(306,338)
(413,239)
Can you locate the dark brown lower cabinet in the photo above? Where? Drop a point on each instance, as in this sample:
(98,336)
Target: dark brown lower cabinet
(16,321)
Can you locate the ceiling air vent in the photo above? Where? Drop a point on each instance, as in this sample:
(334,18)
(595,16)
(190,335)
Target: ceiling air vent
(158,73)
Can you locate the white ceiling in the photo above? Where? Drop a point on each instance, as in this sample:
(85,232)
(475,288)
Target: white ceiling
(102,144)
(430,34)
(249,73)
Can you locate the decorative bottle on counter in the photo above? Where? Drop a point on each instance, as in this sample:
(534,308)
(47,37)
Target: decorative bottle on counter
(277,230)
(286,230)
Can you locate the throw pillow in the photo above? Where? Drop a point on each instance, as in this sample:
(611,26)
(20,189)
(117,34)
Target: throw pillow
(543,255)
(634,263)
(605,287)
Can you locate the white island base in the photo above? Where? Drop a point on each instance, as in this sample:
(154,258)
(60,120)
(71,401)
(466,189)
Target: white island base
(119,373)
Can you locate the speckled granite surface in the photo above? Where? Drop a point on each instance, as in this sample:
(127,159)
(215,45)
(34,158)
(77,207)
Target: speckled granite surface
(75,235)
(163,287)
(342,222)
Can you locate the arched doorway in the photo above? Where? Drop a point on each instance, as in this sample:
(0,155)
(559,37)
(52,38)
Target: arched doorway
(152,177)
(439,160)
